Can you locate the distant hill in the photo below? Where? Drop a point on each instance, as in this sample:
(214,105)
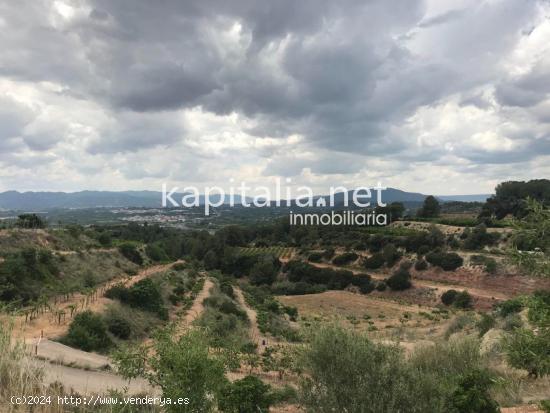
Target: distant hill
(38,201)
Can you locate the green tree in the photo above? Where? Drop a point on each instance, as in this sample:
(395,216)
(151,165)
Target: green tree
(528,350)
(472,394)
(400,280)
(430,208)
(248,395)
(181,368)
(264,271)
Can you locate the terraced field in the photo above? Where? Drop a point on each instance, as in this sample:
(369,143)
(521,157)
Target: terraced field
(279,252)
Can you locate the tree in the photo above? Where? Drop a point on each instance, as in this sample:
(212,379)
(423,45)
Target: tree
(531,240)
(180,368)
(264,271)
(448,297)
(400,280)
(463,300)
(394,211)
(529,351)
(248,395)
(430,208)
(129,251)
(472,394)
(511,198)
(447,261)
(30,221)
(374,262)
(391,255)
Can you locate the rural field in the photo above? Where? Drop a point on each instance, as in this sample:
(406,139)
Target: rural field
(96,309)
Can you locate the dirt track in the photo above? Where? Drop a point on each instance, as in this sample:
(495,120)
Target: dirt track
(255,333)
(46,324)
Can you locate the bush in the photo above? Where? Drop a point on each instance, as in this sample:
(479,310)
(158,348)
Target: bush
(374,262)
(448,297)
(472,394)
(345,258)
(315,257)
(87,332)
(448,261)
(529,351)
(486,322)
(155,253)
(512,306)
(420,265)
(511,322)
(463,300)
(145,294)
(129,251)
(400,280)
(381,286)
(118,292)
(391,255)
(119,327)
(248,395)
(264,271)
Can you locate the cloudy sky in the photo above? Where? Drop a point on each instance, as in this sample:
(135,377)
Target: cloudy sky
(442,97)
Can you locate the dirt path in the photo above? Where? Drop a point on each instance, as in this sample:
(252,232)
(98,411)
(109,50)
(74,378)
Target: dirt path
(255,333)
(65,355)
(46,324)
(93,382)
(196,309)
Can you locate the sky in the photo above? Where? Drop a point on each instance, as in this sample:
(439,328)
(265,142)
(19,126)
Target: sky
(439,97)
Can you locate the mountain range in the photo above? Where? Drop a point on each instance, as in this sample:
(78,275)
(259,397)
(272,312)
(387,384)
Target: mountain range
(39,201)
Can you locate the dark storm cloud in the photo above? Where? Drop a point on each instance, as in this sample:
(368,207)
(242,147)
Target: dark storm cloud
(346,76)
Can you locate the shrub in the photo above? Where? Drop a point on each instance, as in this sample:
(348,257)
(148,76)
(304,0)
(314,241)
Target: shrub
(529,351)
(463,300)
(264,271)
(87,332)
(486,322)
(345,258)
(391,255)
(491,266)
(129,251)
(155,252)
(145,294)
(512,306)
(374,262)
(420,265)
(448,261)
(118,292)
(119,327)
(472,394)
(248,395)
(381,286)
(179,266)
(448,297)
(315,257)
(400,280)
(539,308)
(511,322)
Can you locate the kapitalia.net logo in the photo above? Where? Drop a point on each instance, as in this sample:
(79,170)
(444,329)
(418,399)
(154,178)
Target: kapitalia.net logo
(285,195)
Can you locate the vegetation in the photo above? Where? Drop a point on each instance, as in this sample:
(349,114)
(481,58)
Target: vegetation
(88,332)
(248,395)
(435,379)
(448,261)
(430,208)
(400,280)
